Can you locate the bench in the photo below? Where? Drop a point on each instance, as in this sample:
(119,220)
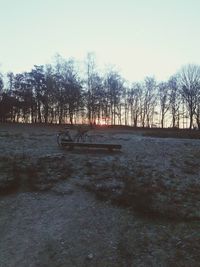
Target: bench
(110,147)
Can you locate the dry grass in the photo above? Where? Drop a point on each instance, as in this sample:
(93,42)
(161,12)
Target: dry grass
(32,175)
(5,134)
(45,172)
(170,133)
(9,175)
(147,230)
(148,192)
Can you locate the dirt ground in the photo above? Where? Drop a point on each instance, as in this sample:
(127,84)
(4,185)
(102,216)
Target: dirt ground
(136,207)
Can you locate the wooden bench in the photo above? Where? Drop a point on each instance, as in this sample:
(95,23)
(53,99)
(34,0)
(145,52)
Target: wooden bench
(110,147)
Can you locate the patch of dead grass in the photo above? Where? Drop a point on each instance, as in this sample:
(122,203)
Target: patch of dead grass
(165,133)
(32,175)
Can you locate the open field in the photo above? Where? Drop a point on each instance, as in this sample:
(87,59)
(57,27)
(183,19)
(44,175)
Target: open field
(137,207)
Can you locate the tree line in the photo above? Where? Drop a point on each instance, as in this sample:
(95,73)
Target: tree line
(62,93)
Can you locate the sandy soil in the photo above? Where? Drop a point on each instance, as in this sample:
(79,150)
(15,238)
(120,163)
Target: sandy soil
(67,208)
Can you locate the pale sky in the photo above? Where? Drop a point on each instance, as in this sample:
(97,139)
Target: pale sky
(140,37)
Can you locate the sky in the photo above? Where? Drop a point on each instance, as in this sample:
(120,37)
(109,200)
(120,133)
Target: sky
(141,37)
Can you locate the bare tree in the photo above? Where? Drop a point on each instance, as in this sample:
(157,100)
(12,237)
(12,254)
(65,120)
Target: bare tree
(90,85)
(174,101)
(163,92)
(134,101)
(149,101)
(1,84)
(68,87)
(197,111)
(73,89)
(114,88)
(23,92)
(189,79)
(38,82)
(1,92)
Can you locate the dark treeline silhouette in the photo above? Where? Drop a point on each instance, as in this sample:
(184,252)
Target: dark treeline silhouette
(61,93)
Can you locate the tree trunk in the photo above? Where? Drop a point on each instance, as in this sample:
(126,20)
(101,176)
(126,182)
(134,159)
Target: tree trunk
(191,120)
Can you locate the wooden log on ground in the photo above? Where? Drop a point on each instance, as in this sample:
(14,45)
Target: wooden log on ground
(91,145)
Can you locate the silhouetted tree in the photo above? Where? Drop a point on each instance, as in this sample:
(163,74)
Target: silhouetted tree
(68,87)
(174,101)
(163,92)
(1,85)
(38,82)
(149,101)
(72,90)
(114,89)
(23,93)
(50,96)
(189,79)
(1,92)
(134,101)
(55,93)
(197,111)
(91,75)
